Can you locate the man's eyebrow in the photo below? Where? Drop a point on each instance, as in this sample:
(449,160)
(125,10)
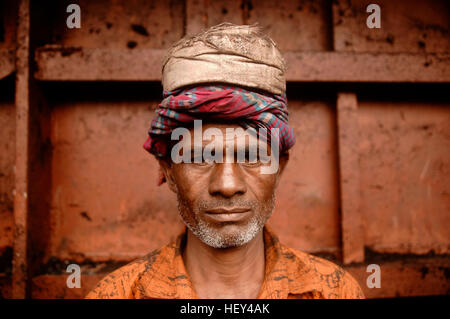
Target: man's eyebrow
(246,148)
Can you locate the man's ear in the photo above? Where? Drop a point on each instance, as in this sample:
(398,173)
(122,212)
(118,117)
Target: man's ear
(165,174)
(284,159)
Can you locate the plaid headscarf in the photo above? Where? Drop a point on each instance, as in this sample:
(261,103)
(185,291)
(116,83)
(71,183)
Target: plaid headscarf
(219,103)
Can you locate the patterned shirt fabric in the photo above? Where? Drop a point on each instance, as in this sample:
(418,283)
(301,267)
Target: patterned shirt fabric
(248,109)
(289,274)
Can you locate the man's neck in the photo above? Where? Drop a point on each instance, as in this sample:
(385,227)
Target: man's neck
(236,272)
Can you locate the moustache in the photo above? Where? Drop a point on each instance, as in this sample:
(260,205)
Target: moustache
(226,204)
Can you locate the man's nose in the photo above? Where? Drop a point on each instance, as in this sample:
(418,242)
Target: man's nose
(227,180)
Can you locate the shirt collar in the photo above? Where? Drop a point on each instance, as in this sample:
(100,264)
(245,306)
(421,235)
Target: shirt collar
(285,272)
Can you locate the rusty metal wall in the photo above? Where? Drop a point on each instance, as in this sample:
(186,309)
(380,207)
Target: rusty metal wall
(368,180)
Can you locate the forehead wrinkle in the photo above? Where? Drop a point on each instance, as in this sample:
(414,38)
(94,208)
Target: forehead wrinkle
(238,135)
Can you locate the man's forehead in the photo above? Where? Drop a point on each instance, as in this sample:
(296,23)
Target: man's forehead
(226,132)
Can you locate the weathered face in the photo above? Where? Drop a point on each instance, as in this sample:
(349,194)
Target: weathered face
(225,204)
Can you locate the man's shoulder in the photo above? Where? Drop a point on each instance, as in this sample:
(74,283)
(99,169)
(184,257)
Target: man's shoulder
(318,275)
(119,283)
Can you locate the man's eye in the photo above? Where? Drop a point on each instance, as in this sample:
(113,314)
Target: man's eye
(251,159)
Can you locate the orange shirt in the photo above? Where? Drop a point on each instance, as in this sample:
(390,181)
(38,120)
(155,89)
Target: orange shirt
(288,274)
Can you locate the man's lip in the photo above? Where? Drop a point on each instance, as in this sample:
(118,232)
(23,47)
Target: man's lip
(235,210)
(228,215)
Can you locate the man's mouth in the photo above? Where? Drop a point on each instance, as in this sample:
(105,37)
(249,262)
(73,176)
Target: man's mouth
(223,214)
(224,210)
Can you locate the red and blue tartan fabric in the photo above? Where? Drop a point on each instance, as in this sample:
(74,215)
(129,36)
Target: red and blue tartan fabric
(219,103)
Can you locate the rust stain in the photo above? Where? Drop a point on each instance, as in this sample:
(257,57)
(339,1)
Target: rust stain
(104,209)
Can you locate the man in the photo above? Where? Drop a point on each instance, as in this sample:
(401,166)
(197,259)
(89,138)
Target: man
(216,84)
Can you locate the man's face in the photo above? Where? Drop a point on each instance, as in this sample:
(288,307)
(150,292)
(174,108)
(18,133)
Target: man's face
(224,204)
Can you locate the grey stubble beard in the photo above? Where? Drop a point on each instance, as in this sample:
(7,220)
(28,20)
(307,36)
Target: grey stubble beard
(211,237)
